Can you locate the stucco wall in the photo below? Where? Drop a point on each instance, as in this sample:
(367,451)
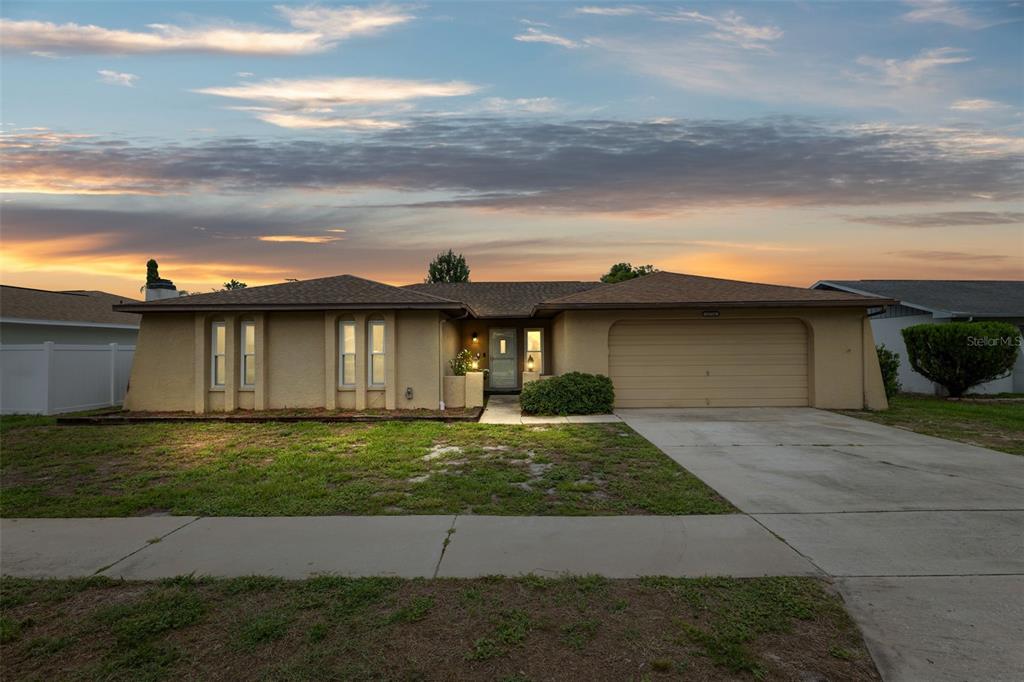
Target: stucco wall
(162,374)
(417,359)
(296,362)
(837,368)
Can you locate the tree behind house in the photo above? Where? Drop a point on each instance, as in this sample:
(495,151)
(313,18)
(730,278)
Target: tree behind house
(620,272)
(448,267)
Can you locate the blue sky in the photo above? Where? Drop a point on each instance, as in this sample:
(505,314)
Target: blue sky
(779,141)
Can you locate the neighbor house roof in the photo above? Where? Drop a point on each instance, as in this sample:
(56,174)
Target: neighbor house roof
(342,291)
(945,297)
(673,290)
(503,299)
(20,304)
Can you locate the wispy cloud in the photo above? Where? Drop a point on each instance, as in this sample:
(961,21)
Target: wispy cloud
(588,167)
(906,71)
(298,239)
(118,78)
(943,12)
(949,256)
(976,105)
(536,35)
(529,105)
(731,28)
(311,102)
(315,29)
(942,219)
(609,11)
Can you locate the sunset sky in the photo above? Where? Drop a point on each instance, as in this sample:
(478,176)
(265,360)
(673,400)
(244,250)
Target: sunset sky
(771,141)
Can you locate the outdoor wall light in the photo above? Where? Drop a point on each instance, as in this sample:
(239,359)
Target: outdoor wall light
(529,363)
(476,339)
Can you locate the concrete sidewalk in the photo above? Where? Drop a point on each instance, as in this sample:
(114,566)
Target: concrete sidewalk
(406,546)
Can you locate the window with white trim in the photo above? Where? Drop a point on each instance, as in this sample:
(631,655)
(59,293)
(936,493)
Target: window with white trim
(377,346)
(534,350)
(347,353)
(248,354)
(218,358)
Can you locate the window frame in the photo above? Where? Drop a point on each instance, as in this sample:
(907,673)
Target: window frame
(539,366)
(344,351)
(371,325)
(247,324)
(216,325)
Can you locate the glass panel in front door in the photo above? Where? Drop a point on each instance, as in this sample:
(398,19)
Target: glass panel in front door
(503,359)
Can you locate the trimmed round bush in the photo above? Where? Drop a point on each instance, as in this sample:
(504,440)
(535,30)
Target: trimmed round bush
(960,355)
(572,393)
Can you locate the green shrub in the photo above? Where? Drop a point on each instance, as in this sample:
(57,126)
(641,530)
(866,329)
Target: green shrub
(461,363)
(959,355)
(572,393)
(889,361)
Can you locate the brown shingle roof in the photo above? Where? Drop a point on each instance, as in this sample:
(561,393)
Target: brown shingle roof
(670,289)
(503,299)
(341,291)
(64,306)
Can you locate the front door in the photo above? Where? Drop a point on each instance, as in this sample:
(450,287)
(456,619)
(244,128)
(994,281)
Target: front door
(502,348)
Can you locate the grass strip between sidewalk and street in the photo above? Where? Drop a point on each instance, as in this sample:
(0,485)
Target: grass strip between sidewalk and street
(510,629)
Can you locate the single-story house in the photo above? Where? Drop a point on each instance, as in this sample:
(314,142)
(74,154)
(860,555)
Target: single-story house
(345,342)
(62,351)
(927,301)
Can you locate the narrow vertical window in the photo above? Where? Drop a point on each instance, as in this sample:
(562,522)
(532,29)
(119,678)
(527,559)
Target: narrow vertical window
(347,353)
(377,349)
(248,354)
(535,350)
(218,362)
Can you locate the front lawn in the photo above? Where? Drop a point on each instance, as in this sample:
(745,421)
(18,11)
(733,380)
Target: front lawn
(506,629)
(308,468)
(995,425)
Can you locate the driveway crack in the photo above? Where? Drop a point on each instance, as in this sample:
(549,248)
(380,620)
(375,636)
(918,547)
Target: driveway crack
(148,545)
(444,545)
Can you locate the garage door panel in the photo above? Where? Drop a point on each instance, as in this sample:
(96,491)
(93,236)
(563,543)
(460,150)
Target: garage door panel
(709,363)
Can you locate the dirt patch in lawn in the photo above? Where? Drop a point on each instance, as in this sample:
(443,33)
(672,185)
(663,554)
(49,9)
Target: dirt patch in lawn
(383,628)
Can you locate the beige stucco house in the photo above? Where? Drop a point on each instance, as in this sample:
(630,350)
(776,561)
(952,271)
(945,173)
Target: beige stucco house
(665,339)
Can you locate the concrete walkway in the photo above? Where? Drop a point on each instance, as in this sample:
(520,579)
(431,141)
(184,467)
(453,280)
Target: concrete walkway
(407,546)
(504,409)
(924,536)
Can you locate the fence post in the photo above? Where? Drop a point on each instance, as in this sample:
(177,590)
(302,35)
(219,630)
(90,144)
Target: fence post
(50,376)
(113,374)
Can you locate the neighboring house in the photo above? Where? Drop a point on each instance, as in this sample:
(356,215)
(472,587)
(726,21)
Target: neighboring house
(82,317)
(62,351)
(934,302)
(345,342)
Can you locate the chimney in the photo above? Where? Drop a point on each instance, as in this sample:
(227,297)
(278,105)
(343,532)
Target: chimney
(159,289)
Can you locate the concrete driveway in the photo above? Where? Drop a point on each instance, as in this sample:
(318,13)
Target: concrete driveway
(924,536)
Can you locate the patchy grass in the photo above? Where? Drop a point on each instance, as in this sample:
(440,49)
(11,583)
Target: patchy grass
(310,468)
(384,628)
(999,426)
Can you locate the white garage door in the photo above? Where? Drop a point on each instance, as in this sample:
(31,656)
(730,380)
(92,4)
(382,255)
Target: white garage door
(716,363)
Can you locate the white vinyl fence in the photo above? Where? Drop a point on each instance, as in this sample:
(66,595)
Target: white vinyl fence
(48,378)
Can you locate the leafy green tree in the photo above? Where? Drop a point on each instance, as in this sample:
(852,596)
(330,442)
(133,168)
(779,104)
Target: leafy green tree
(234,284)
(448,267)
(961,355)
(620,272)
